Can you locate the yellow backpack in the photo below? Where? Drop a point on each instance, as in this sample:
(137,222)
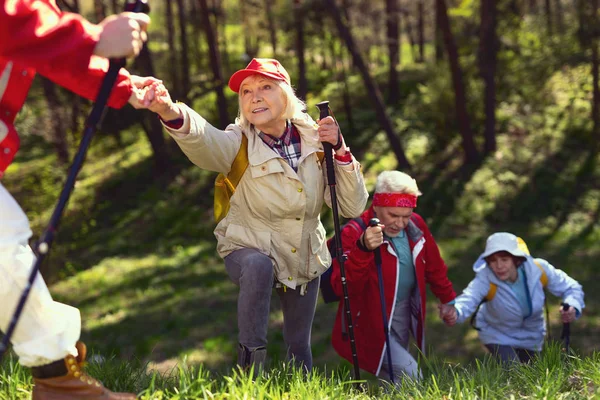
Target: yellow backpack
(225,185)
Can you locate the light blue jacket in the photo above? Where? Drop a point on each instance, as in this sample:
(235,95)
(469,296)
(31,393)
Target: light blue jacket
(500,320)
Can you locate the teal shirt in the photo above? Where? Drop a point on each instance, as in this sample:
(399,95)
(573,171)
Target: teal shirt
(406,275)
(520,290)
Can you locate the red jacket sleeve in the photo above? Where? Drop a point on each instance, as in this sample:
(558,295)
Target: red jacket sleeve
(436,270)
(356,265)
(35,33)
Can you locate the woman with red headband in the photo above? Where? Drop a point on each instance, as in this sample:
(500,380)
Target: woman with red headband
(409,259)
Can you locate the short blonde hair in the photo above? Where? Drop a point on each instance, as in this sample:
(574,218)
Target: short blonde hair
(294,106)
(396,182)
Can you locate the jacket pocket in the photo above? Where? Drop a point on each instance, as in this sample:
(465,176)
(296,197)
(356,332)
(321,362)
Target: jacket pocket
(249,238)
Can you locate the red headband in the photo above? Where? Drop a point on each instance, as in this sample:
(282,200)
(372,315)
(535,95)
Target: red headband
(395,200)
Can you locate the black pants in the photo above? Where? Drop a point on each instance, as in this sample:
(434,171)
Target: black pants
(507,353)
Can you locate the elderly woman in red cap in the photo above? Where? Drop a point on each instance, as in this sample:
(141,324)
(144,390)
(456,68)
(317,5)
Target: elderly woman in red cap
(272,235)
(410,259)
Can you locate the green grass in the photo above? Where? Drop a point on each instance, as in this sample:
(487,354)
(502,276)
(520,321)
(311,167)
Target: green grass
(555,375)
(136,253)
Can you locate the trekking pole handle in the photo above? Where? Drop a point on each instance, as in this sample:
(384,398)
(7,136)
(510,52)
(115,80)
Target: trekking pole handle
(375,222)
(566,326)
(327,147)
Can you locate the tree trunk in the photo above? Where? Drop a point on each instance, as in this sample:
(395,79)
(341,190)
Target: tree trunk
(411,37)
(220,19)
(185,62)
(99,10)
(393,33)
(421,27)
(57,124)
(346,95)
(460,98)
(548,6)
(560,18)
(595,84)
(302,88)
(215,62)
(172,57)
(249,31)
(372,88)
(533,6)
(272,27)
(488,47)
(439,37)
(155,133)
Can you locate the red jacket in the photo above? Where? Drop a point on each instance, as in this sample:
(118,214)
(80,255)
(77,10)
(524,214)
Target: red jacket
(36,35)
(363,290)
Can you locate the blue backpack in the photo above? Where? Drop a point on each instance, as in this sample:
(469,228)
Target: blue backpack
(327,292)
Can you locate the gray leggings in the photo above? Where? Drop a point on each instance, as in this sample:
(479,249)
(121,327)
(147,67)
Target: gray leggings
(253,272)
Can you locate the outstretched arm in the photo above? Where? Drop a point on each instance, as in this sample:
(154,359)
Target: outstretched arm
(68,49)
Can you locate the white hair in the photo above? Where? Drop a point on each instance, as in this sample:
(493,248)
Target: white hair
(396,182)
(294,106)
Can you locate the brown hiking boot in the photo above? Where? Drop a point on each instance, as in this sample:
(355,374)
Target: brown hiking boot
(65,380)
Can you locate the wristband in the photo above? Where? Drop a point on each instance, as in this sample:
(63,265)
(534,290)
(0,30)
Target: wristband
(339,143)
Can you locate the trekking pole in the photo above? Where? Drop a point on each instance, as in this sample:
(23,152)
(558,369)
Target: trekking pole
(341,257)
(91,126)
(386,330)
(566,330)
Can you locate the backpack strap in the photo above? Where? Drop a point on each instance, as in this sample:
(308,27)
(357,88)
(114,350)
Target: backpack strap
(544,277)
(320,156)
(239,165)
(544,281)
(492,292)
(225,185)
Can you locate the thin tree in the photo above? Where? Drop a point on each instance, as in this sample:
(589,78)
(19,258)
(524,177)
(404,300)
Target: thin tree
(548,10)
(460,98)
(271,25)
(172,57)
(421,29)
(372,89)
(533,6)
(411,35)
(184,61)
(99,10)
(393,33)
(560,18)
(302,88)
(439,37)
(488,50)
(215,62)
(149,122)
(595,72)
(57,122)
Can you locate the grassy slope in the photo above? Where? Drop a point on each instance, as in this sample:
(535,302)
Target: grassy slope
(136,252)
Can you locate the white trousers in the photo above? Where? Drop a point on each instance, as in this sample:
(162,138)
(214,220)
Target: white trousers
(47,330)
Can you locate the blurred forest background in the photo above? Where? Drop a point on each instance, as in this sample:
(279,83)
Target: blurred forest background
(493,106)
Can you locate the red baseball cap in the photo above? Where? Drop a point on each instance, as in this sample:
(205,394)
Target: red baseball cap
(268,67)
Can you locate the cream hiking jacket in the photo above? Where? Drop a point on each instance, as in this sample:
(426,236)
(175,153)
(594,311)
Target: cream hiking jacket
(274,209)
